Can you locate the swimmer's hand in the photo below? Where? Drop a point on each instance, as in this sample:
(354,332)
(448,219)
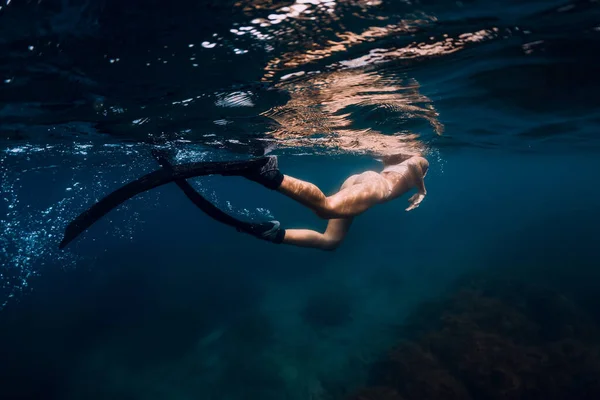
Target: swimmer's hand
(415,200)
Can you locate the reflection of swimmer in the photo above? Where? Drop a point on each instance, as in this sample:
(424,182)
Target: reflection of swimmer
(357,194)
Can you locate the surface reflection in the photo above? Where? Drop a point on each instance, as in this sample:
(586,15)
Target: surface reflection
(342,43)
(355,110)
(341,98)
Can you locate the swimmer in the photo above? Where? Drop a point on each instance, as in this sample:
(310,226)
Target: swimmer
(356,195)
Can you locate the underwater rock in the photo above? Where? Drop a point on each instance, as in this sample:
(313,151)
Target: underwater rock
(493,339)
(377,393)
(556,315)
(489,365)
(417,374)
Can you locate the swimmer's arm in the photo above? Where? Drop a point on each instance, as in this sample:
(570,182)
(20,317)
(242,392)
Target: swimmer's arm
(416,199)
(420,185)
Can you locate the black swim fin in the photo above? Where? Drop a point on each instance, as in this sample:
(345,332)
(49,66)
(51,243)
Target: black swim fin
(151,181)
(269,230)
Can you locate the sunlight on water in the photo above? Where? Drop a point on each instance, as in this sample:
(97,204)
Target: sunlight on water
(355,111)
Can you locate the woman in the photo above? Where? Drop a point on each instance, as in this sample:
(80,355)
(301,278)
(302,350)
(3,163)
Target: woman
(357,194)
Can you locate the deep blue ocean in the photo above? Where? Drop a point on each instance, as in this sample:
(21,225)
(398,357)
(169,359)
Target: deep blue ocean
(489,290)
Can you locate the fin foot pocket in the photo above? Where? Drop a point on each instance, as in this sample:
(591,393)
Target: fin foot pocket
(267,175)
(270,231)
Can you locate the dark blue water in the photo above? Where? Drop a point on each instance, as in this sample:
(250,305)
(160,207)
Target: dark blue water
(488,290)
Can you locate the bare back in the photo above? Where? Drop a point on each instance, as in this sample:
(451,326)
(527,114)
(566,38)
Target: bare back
(405,175)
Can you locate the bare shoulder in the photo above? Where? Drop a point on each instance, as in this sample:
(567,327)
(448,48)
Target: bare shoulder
(420,162)
(417,168)
(396,159)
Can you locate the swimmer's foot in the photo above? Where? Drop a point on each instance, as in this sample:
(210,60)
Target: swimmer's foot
(267,175)
(270,231)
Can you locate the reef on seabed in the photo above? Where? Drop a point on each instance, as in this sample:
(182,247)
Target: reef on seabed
(493,338)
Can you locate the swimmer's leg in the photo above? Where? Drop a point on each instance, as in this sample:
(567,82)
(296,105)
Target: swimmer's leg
(303,192)
(350,201)
(334,235)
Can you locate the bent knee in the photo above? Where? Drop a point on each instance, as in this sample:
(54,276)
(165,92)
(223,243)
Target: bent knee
(331,244)
(325,214)
(329,210)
